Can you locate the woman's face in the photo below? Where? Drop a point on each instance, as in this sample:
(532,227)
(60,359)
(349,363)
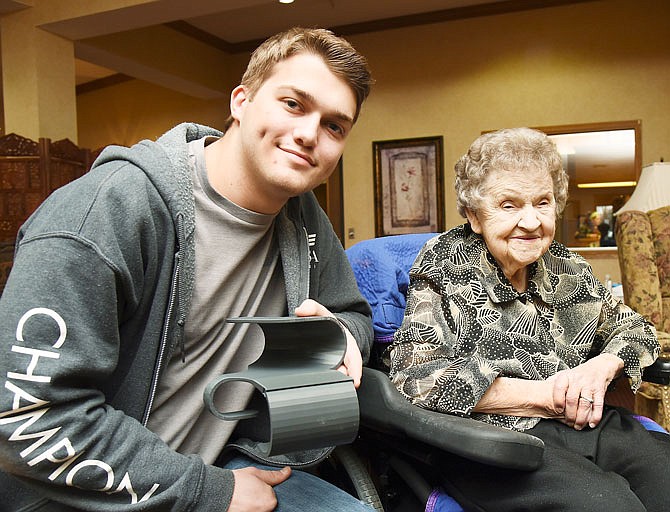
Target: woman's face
(517,219)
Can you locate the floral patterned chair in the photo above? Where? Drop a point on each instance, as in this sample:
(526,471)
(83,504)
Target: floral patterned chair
(643,241)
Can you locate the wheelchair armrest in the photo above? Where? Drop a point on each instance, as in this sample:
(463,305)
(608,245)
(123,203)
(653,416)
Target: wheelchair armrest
(657,373)
(384,409)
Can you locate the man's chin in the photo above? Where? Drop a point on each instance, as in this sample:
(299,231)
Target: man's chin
(297,185)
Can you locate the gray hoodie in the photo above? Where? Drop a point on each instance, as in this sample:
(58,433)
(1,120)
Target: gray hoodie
(95,305)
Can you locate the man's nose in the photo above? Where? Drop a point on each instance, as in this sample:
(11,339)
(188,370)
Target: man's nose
(306,130)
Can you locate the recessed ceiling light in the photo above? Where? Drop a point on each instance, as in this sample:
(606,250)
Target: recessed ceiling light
(285,1)
(607,184)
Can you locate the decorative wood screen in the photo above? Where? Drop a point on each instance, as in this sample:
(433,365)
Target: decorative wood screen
(29,172)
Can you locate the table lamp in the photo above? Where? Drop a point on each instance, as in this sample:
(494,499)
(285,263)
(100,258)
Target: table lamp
(652,190)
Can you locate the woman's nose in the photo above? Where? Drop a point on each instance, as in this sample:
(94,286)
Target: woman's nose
(529,218)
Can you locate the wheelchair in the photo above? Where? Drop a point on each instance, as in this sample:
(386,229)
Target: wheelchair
(393,465)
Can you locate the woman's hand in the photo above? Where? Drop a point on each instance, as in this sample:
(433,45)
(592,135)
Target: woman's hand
(580,392)
(353,362)
(575,396)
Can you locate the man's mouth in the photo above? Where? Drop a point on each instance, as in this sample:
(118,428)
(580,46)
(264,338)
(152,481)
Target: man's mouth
(299,154)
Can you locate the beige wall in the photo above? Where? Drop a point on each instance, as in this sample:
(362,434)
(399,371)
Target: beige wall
(605,262)
(136,110)
(599,61)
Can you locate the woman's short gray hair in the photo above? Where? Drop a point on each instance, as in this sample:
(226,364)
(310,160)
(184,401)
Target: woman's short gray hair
(511,148)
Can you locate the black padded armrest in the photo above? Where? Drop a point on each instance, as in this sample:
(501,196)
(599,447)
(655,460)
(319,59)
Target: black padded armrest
(658,372)
(384,409)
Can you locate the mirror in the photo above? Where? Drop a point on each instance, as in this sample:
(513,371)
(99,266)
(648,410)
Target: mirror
(603,162)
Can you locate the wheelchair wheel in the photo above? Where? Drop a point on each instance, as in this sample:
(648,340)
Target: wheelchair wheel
(361,482)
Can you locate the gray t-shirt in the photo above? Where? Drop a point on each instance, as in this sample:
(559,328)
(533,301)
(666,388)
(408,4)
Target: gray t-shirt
(238,273)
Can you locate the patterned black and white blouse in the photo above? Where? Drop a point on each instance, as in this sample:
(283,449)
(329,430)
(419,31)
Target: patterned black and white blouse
(465,325)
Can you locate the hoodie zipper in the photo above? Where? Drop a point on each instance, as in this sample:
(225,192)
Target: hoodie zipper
(174,288)
(308,264)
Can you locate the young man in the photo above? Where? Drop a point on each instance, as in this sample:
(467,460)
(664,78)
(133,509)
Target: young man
(113,318)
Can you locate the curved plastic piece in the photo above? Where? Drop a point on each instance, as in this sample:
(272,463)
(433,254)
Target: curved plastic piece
(208,397)
(299,342)
(301,401)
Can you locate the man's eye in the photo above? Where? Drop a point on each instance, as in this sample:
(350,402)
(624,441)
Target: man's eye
(336,128)
(291,103)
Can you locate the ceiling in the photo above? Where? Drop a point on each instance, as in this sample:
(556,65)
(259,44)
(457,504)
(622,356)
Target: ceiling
(238,26)
(235,26)
(104,32)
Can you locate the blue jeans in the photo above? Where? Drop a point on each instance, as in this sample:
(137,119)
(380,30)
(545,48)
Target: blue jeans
(305,492)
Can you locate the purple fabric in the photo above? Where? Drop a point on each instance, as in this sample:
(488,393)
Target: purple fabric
(649,424)
(440,501)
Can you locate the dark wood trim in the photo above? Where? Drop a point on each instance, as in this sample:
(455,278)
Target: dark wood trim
(101,83)
(330,194)
(458,13)
(335,200)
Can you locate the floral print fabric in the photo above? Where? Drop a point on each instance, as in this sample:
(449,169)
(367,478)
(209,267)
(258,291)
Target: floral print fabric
(643,241)
(465,325)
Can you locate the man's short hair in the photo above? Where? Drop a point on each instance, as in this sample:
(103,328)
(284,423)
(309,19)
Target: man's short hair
(337,53)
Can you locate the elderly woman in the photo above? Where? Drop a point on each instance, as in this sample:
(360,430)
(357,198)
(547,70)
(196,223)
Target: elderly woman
(507,326)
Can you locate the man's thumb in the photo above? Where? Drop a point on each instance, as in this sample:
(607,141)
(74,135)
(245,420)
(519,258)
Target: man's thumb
(273,478)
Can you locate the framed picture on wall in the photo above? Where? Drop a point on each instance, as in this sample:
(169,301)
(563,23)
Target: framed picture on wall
(409,191)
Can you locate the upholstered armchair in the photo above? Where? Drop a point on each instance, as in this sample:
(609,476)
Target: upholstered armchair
(643,241)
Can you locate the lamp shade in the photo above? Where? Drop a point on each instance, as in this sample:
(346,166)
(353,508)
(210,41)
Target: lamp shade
(652,190)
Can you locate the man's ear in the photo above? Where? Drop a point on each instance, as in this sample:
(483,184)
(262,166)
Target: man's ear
(238,101)
(474,221)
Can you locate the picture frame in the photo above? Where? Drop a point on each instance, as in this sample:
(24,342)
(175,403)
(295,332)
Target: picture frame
(409,185)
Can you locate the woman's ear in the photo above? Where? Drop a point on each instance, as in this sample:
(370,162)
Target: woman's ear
(474,221)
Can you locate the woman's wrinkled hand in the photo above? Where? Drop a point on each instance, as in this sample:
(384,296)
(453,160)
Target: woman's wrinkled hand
(579,393)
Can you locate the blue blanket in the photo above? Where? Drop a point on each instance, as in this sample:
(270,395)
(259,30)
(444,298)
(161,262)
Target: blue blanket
(381,266)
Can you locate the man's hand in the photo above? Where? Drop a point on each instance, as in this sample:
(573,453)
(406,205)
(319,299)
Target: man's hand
(580,391)
(253,489)
(353,362)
